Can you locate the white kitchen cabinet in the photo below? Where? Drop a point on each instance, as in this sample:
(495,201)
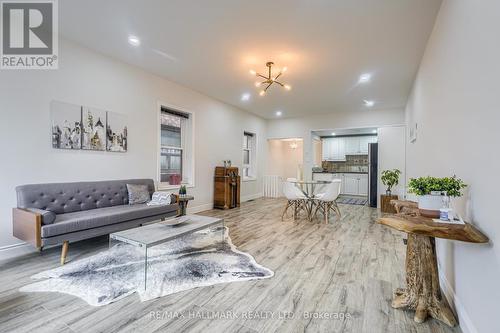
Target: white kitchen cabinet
(363,184)
(338,152)
(326,150)
(352,145)
(333,149)
(351,184)
(364,141)
(355,184)
(322,176)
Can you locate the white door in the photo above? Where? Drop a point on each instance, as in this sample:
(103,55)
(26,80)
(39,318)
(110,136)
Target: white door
(351,145)
(363,184)
(351,184)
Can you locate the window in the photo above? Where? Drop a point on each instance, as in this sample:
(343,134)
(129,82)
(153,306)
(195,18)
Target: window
(176,160)
(249,156)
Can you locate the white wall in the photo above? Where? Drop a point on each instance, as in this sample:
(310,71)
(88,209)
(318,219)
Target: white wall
(391,155)
(88,78)
(455,104)
(284,161)
(301,127)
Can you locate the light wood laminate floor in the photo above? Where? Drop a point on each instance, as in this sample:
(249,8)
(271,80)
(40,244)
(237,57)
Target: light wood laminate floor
(348,267)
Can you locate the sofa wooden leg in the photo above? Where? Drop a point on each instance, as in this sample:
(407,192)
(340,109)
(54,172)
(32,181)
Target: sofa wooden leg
(64,252)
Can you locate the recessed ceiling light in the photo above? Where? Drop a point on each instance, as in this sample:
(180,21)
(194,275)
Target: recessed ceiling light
(279,113)
(374,131)
(364,78)
(134,41)
(245,97)
(333,133)
(369,103)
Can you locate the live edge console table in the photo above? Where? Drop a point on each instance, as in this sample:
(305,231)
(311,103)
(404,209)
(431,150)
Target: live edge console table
(423,292)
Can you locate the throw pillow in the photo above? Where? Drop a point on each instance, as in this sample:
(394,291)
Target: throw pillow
(137,194)
(160,198)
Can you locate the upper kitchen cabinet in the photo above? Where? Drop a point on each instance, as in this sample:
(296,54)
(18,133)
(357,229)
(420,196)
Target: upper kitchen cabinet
(364,141)
(333,149)
(358,145)
(336,149)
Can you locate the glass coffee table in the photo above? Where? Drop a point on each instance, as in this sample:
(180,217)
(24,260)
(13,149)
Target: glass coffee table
(160,232)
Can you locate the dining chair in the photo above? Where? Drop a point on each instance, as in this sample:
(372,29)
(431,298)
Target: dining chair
(327,201)
(295,199)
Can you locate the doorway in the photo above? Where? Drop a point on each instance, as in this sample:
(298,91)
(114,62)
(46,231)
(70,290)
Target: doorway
(285,158)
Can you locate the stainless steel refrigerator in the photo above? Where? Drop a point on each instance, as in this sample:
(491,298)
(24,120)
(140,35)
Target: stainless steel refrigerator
(372,174)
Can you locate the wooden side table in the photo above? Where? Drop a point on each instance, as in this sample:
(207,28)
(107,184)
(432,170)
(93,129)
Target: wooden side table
(183,202)
(385,203)
(423,292)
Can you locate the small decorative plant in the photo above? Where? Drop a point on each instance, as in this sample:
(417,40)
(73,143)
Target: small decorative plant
(451,186)
(182,190)
(390,178)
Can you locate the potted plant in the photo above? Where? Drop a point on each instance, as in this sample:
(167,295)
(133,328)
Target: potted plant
(430,192)
(182,190)
(390,178)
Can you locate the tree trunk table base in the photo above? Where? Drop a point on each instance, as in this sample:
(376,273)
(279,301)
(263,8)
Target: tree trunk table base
(423,292)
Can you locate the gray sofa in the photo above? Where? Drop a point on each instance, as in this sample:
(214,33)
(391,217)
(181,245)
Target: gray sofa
(59,213)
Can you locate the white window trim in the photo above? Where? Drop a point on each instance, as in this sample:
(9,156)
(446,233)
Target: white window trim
(253,158)
(163,186)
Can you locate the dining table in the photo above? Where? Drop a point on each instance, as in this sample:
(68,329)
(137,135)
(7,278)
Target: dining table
(310,189)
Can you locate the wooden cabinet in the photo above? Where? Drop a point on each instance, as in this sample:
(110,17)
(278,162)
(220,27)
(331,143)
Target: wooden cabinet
(226,188)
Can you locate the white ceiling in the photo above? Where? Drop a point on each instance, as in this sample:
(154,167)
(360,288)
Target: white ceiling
(210,46)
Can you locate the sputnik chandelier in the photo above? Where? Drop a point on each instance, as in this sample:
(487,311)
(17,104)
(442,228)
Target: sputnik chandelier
(269,79)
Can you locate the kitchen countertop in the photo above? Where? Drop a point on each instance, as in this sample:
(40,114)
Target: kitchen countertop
(340,172)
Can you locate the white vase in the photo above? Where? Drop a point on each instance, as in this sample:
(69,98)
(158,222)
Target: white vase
(429,205)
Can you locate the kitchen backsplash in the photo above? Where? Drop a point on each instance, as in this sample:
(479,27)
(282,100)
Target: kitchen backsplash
(353,163)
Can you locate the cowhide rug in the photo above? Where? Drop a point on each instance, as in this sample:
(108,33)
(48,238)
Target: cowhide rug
(196,260)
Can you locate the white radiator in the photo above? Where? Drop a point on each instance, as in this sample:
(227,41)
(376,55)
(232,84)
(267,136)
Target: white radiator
(273,186)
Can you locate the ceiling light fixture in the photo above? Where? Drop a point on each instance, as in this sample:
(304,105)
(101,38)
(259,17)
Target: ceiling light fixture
(134,41)
(374,131)
(333,133)
(269,79)
(279,113)
(245,97)
(369,103)
(365,78)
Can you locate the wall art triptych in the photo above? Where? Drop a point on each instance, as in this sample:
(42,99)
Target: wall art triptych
(82,127)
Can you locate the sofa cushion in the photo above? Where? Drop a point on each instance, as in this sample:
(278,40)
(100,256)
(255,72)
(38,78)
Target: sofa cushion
(95,218)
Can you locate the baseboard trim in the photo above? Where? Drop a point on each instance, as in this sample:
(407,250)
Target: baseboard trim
(15,250)
(200,208)
(252,197)
(465,322)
